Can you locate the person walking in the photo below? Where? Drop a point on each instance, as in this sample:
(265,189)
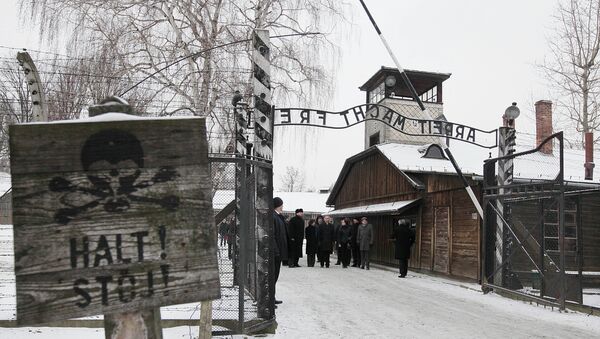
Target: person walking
(343,241)
(223,232)
(364,237)
(296,232)
(404,238)
(325,238)
(354,243)
(280,242)
(311,242)
(231,238)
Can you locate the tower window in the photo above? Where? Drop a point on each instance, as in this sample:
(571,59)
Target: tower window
(374,139)
(377,94)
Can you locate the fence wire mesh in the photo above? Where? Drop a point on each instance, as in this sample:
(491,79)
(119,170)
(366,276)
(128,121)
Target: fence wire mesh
(238,260)
(532,229)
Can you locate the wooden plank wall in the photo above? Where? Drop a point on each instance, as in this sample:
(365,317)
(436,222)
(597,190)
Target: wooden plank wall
(464,230)
(465,236)
(441,248)
(590,205)
(373,180)
(383,251)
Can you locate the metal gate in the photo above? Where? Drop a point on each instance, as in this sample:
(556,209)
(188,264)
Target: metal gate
(530,244)
(234,201)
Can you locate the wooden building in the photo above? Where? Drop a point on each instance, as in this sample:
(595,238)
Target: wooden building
(374,183)
(402,175)
(408,176)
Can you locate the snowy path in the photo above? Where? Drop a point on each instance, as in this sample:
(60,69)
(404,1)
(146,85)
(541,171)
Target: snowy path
(354,303)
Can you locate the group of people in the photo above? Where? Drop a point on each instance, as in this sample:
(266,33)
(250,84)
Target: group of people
(352,239)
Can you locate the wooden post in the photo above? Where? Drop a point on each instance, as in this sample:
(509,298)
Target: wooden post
(138,324)
(263,152)
(205,320)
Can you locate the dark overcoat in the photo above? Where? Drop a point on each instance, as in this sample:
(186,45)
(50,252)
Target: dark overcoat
(354,233)
(404,237)
(296,234)
(280,237)
(325,237)
(344,235)
(311,239)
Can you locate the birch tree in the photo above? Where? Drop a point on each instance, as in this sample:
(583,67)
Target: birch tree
(145,37)
(573,67)
(292,180)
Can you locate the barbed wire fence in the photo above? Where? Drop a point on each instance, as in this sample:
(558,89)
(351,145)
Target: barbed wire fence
(237,309)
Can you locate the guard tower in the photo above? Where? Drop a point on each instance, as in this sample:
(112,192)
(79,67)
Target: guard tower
(387,88)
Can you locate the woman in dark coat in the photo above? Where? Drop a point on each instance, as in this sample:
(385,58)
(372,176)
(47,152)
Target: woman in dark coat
(311,242)
(344,235)
(296,234)
(325,241)
(403,237)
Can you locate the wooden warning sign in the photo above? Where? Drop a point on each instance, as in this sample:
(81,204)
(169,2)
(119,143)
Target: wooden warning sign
(111,216)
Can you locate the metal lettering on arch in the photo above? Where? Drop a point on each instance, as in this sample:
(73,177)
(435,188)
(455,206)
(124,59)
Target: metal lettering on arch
(388,116)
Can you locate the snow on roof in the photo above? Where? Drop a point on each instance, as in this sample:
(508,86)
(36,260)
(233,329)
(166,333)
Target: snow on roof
(409,158)
(471,158)
(308,201)
(5,183)
(110,117)
(389,207)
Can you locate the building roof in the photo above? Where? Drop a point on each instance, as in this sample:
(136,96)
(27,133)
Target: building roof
(310,202)
(395,207)
(470,158)
(422,81)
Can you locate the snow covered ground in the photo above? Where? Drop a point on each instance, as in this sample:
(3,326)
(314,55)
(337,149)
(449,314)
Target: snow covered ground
(354,303)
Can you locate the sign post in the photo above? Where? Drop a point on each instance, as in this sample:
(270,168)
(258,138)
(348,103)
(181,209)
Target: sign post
(115,219)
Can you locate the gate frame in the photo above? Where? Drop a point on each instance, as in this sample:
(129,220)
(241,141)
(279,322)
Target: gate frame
(493,190)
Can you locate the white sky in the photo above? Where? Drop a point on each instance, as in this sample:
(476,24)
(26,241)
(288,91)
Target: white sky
(490,47)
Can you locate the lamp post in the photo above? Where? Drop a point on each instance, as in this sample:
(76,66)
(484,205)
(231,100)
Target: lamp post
(510,114)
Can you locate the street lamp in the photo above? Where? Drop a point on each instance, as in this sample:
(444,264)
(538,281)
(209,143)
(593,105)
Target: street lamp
(510,114)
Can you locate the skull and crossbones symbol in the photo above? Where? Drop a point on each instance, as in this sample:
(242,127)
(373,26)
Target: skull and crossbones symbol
(112,160)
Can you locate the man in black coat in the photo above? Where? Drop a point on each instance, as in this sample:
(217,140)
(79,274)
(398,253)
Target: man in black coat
(325,239)
(354,243)
(404,237)
(296,233)
(280,241)
(223,232)
(311,243)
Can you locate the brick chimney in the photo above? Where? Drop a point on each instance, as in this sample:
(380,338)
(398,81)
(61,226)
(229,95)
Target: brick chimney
(543,124)
(589,156)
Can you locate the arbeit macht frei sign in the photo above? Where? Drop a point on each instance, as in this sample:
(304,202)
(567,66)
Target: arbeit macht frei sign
(111,217)
(386,115)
